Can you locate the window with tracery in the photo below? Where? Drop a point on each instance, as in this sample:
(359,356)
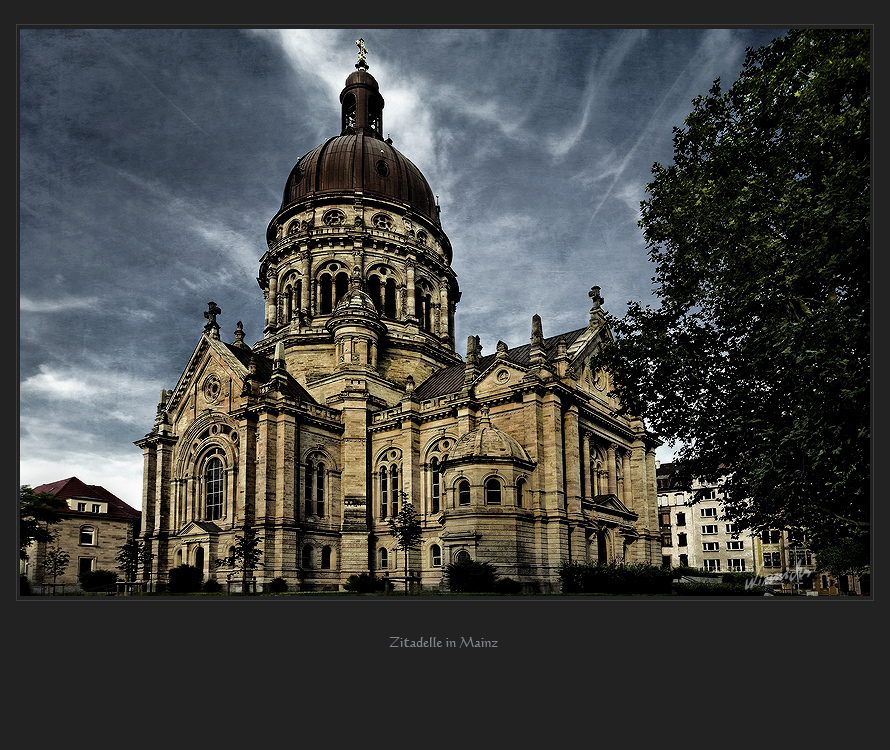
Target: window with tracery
(213,489)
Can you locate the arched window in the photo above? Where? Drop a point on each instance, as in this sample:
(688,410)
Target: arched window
(306,558)
(87,535)
(520,491)
(341,287)
(199,559)
(326,301)
(326,557)
(384,558)
(307,487)
(463,556)
(384,495)
(492,492)
(375,292)
(394,487)
(319,490)
(463,493)
(389,301)
(435,556)
(213,489)
(436,488)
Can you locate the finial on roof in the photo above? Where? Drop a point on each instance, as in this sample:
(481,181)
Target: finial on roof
(596,313)
(362,64)
(239,336)
(212,327)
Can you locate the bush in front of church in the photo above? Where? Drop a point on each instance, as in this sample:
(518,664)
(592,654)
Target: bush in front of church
(614,578)
(185,579)
(97,580)
(278,586)
(471,577)
(364,583)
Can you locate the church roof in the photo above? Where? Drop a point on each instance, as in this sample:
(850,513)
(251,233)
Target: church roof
(451,379)
(73,488)
(264,366)
(487,442)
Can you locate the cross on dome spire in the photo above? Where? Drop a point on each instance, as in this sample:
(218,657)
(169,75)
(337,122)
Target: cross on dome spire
(362,51)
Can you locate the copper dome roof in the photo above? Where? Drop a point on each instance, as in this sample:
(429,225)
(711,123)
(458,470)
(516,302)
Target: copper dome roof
(360,162)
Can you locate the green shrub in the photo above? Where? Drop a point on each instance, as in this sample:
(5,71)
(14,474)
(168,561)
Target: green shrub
(278,586)
(719,589)
(97,580)
(212,586)
(470,576)
(507,586)
(614,578)
(184,579)
(364,583)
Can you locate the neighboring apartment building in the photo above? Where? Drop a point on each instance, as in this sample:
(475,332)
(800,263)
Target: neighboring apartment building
(698,536)
(91,531)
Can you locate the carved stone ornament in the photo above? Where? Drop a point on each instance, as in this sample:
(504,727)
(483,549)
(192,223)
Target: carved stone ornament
(212,387)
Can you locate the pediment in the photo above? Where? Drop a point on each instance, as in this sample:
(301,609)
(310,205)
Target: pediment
(498,375)
(199,528)
(213,375)
(611,504)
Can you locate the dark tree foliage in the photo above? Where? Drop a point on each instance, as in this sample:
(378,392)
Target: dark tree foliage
(757,358)
(37,511)
(244,558)
(130,556)
(471,577)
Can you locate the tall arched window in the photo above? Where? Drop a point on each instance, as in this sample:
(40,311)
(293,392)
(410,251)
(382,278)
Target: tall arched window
(375,292)
(394,487)
(384,558)
(213,489)
(520,491)
(384,492)
(492,492)
(306,558)
(341,286)
(327,293)
(307,487)
(435,556)
(463,492)
(389,301)
(319,490)
(436,488)
(326,557)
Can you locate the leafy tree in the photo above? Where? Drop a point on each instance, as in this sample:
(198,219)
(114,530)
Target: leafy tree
(849,557)
(245,557)
(406,528)
(55,562)
(37,510)
(757,358)
(130,556)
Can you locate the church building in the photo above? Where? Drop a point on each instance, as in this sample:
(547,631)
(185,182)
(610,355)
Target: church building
(355,402)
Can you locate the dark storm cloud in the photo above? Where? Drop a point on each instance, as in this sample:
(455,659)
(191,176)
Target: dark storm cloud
(151,161)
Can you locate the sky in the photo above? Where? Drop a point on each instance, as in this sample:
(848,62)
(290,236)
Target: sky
(152,160)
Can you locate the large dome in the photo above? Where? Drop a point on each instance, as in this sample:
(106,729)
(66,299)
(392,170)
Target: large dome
(360,162)
(487,442)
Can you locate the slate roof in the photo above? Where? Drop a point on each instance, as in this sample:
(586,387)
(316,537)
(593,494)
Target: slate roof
(72,488)
(451,379)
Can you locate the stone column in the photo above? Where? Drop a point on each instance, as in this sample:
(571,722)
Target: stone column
(611,470)
(306,296)
(572,460)
(411,300)
(272,300)
(585,466)
(628,498)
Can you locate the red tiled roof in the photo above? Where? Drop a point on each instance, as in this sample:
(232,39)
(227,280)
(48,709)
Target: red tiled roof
(74,488)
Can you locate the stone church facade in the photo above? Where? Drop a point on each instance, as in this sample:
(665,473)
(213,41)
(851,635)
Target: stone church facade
(355,402)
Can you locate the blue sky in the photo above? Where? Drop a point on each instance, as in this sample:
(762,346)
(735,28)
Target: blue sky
(151,161)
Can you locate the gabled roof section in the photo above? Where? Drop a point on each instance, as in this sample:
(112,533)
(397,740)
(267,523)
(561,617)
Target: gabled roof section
(73,488)
(238,359)
(451,379)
